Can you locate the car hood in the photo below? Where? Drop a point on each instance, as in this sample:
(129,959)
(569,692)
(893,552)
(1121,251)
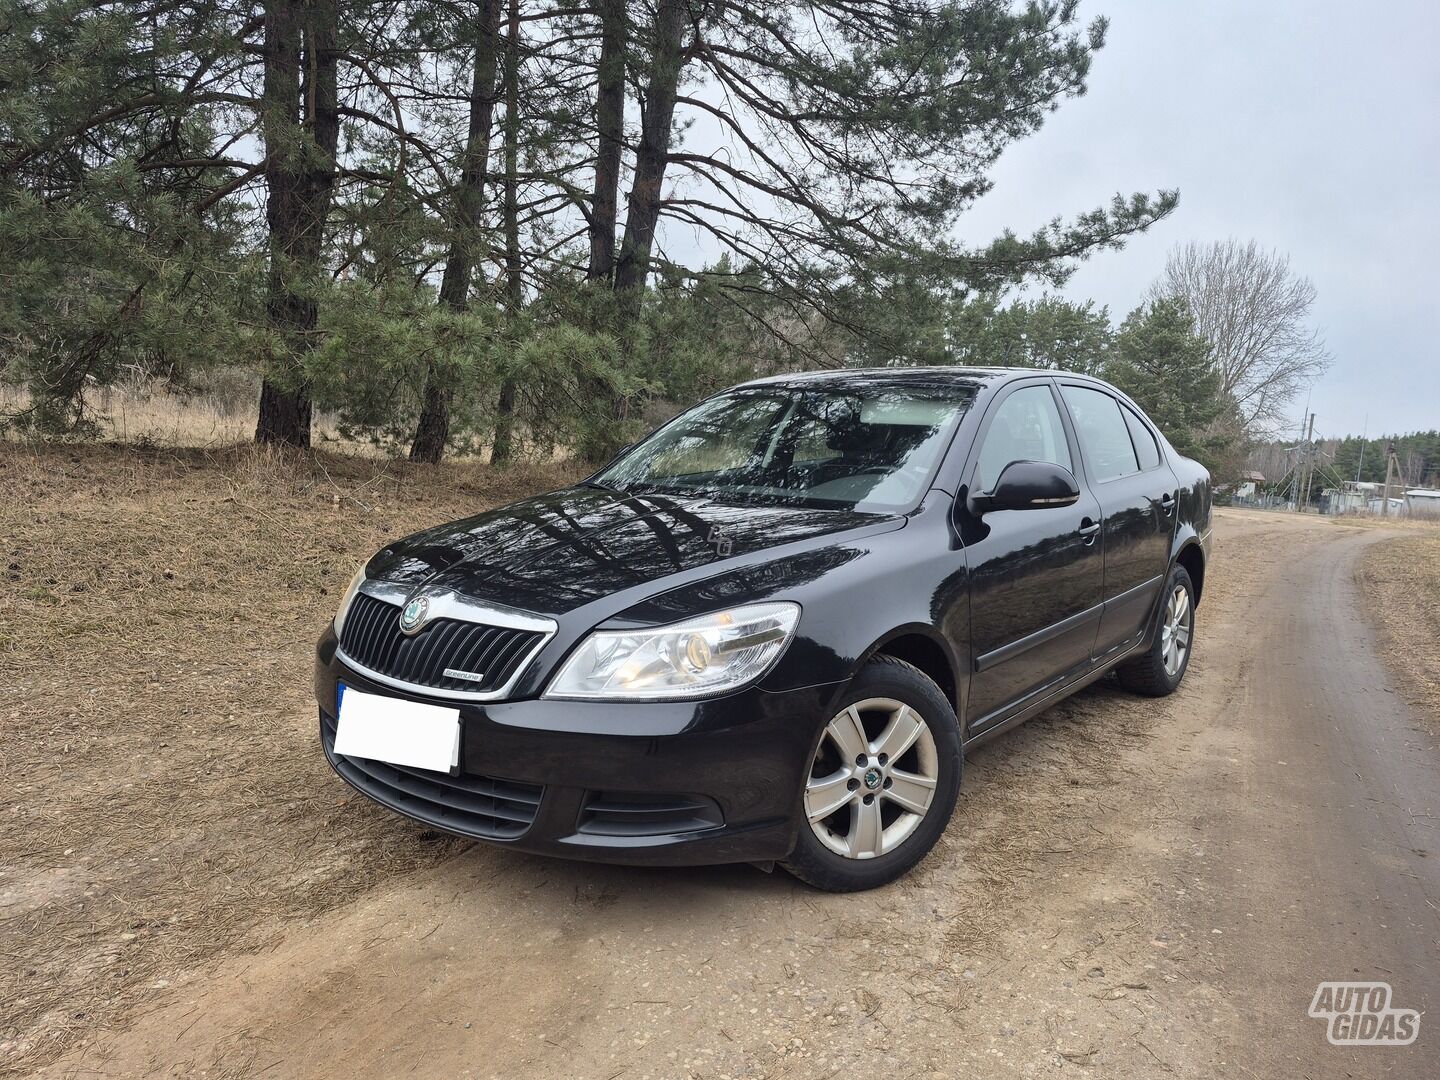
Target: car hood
(557,552)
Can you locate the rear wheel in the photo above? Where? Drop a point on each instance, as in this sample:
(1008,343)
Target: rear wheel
(882,782)
(1158,671)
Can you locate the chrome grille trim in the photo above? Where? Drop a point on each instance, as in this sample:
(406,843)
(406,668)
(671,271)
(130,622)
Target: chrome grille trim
(451,606)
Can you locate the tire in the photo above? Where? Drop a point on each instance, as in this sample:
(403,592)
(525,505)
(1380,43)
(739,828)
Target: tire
(869,839)
(1156,672)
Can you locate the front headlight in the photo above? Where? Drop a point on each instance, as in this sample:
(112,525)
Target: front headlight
(347,597)
(696,658)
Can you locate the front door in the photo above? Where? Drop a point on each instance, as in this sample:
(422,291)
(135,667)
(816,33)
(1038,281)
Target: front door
(1035,575)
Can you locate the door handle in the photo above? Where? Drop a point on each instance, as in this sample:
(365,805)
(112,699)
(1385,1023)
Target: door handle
(1088,529)
(1167,502)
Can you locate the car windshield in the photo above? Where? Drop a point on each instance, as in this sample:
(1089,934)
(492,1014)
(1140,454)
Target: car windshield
(872,449)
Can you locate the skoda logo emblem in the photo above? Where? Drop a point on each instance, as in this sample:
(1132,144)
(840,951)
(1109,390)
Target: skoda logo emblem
(872,778)
(412,616)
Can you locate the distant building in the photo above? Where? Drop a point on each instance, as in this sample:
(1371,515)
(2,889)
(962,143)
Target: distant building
(1249,484)
(1352,497)
(1423,502)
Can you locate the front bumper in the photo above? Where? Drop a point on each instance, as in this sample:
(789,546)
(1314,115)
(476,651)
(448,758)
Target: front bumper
(662,783)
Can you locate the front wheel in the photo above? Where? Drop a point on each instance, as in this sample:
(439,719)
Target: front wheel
(1158,671)
(882,782)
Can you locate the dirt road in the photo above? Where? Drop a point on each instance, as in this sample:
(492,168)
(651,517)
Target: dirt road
(1128,888)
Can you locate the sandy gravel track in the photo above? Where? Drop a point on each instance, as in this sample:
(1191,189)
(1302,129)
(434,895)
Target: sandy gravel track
(1129,888)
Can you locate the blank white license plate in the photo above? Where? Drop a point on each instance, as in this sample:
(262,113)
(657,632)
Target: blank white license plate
(400,732)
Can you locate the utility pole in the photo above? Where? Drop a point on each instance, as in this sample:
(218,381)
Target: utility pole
(1389,472)
(1309,469)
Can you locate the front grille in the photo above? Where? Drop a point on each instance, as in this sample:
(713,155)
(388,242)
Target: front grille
(484,807)
(372,637)
(634,813)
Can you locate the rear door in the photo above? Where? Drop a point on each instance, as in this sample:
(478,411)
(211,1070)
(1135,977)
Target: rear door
(1136,492)
(1035,575)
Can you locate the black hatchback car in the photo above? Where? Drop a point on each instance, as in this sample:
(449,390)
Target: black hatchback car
(769,631)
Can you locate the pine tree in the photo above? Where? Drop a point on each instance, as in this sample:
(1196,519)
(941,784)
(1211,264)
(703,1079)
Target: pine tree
(1161,362)
(466,224)
(287,177)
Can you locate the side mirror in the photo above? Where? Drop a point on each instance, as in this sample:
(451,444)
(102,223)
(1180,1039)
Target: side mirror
(1029,485)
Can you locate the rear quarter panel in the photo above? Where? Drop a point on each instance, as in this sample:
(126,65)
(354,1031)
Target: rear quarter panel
(1192,524)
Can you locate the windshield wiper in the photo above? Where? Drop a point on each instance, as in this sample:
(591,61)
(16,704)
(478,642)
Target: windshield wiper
(598,486)
(673,490)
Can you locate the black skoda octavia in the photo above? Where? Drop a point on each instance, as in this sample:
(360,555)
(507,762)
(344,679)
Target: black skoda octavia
(769,631)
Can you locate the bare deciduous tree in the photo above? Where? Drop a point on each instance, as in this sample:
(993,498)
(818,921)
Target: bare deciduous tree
(1254,311)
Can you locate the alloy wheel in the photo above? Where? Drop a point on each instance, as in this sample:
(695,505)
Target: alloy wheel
(1175,630)
(873,778)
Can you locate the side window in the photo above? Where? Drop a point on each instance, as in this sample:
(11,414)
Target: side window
(1026,427)
(1104,436)
(1146,448)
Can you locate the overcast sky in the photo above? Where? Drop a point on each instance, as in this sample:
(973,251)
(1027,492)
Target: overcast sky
(1312,127)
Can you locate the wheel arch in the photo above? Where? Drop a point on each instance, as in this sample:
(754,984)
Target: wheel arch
(923,648)
(1192,557)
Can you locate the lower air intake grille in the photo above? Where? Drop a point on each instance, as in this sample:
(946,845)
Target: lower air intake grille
(631,813)
(372,637)
(481,806)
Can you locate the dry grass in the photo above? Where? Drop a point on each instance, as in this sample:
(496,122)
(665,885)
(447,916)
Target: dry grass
(1401,579)
(1388,521)
(147,414)
(164,795)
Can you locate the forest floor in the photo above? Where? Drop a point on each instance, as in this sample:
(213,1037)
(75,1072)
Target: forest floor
(1128,887)
(163,799)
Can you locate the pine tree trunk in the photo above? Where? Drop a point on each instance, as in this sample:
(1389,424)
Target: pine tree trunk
(433,429)
(610,125)
(642,213)
(605,194)
(502,448)
(301,128)
(643,209)
(284,415)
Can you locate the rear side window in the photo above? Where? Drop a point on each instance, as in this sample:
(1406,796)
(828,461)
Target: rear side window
(1146,448)
(1026,427)
(1104,435)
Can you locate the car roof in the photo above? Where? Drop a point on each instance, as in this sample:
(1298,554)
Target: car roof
(859,378)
